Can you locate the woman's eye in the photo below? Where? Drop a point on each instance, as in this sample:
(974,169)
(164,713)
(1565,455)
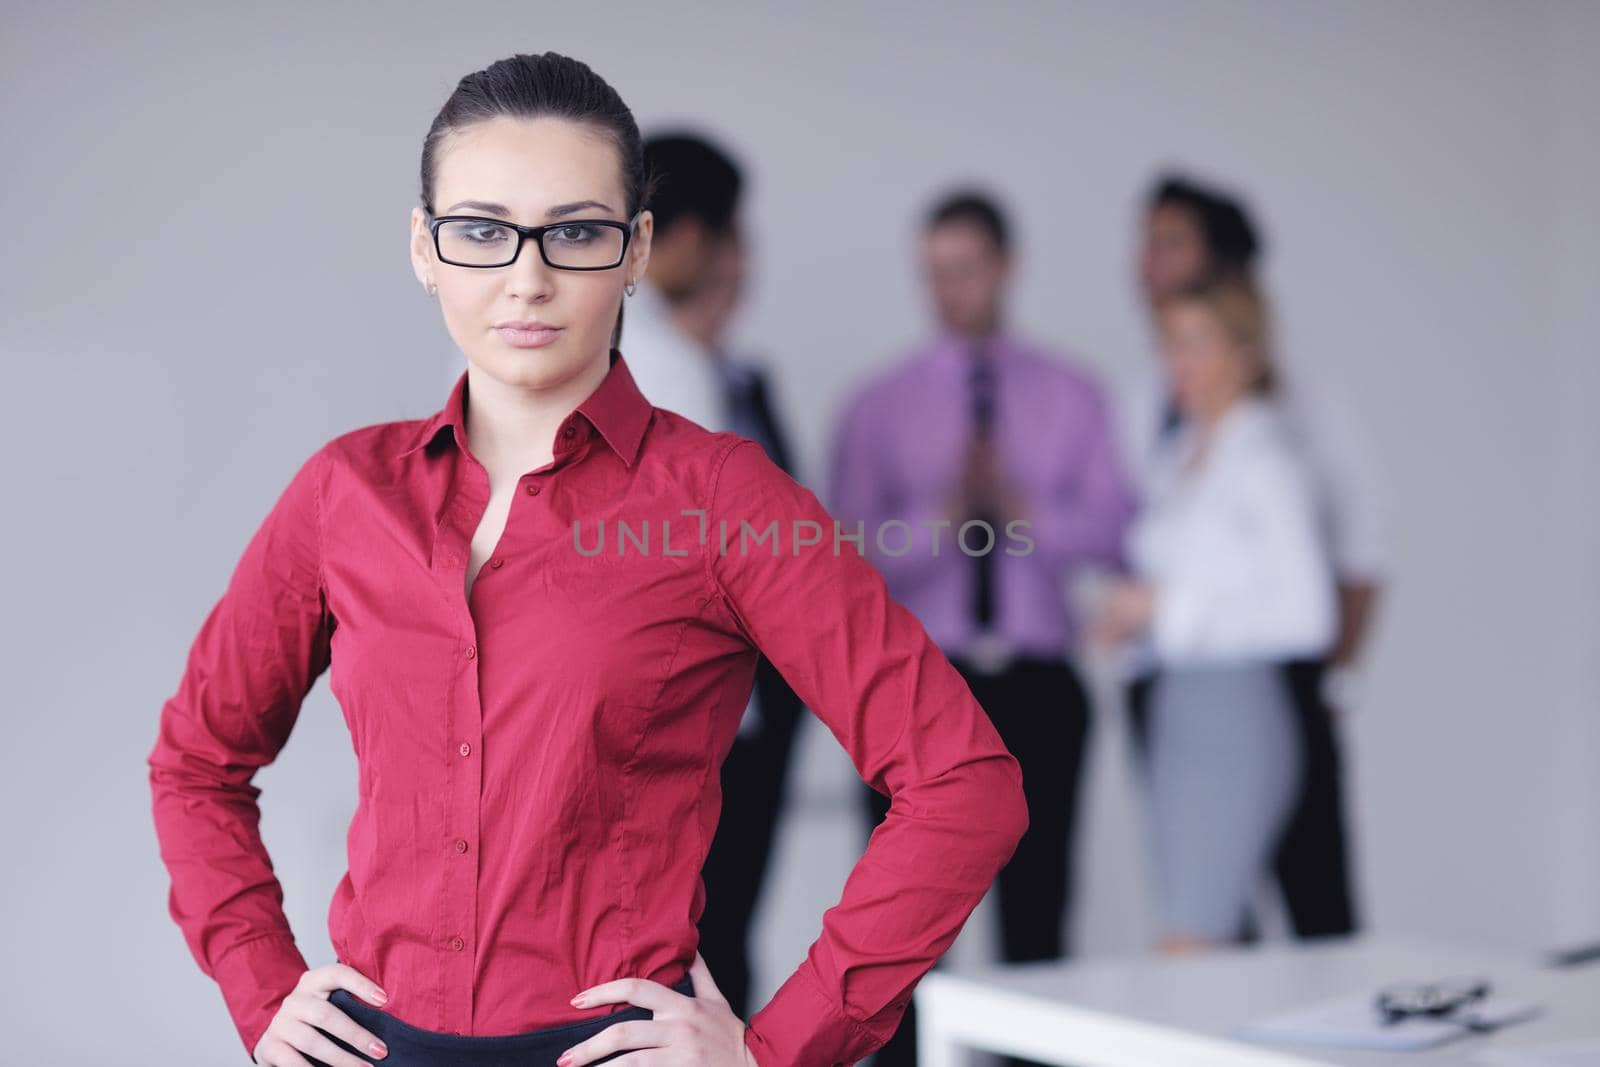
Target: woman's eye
(484,235)
(574,235)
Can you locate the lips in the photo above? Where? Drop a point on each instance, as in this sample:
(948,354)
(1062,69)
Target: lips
(527,333)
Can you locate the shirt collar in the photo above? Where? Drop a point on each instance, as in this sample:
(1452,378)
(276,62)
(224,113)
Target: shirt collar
(616,409)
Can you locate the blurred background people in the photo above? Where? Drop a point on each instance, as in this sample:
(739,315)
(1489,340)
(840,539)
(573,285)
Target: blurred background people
(695,201)
(675,338)
(1231,580)
(978,423)
(1192,232)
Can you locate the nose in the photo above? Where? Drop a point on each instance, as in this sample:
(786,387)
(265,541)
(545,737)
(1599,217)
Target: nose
(528,276)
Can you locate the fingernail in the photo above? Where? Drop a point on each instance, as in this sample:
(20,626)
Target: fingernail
(377,1049)
(379,995)
(565,1058)
(580,1001)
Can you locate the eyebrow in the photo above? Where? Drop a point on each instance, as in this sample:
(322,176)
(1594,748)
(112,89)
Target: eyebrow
(557,212)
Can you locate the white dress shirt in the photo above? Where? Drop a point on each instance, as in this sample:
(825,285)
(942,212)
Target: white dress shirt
(671,368)
(1233,546)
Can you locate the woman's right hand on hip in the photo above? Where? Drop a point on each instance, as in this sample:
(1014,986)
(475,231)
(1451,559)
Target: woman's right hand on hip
(294,1029)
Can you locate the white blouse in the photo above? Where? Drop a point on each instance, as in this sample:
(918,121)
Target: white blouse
(1233,546)
(1351,495)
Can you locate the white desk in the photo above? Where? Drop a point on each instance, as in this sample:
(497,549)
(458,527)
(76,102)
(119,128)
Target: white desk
(1152,1011)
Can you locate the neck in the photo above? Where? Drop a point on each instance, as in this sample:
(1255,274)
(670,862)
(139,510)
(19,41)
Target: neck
(702,329)
(513,427)
(986,330)
(670,281)
(1215,412)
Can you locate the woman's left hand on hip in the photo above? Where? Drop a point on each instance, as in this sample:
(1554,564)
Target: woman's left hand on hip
(685,1031)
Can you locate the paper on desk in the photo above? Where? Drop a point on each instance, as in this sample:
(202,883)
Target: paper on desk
(1566,1054)
(1353,1022)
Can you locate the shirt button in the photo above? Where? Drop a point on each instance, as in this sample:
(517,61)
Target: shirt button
(466,749)
(569,431)
(461,844)
(533,490)
(495,563)
(457,944)
(471,651)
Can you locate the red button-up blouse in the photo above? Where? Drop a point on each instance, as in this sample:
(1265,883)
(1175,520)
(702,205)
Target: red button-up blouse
(538,761)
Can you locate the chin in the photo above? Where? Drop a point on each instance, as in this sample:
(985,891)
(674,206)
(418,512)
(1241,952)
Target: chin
(531,368)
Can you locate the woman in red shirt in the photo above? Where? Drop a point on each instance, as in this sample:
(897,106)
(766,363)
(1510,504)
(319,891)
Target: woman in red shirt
(540,609)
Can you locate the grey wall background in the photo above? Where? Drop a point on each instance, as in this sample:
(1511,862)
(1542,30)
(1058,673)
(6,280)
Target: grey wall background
(1428,172)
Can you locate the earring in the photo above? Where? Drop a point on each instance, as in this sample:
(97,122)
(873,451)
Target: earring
(630,287)
(433,290)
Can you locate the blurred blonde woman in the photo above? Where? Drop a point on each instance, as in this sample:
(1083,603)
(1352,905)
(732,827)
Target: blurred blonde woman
(1230,579)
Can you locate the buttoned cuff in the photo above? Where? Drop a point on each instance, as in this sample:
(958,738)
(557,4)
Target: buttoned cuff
(255,977)
(801,1026)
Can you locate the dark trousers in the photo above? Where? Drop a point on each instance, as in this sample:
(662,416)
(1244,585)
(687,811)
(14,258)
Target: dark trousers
(412,1046)
(753,784)
(1041,711)
(1312,861)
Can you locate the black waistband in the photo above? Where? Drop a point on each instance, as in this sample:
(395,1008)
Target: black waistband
(527,1049)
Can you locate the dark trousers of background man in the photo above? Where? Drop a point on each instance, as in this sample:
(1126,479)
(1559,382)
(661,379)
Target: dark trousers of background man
(754,778)
(1041,711)
(1312,862)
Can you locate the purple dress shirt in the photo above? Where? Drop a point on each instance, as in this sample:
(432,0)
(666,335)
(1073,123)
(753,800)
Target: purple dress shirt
(899,448)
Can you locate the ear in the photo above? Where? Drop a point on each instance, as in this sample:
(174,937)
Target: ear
(1006,261)
(1260,367)
(422,258)
(639,246)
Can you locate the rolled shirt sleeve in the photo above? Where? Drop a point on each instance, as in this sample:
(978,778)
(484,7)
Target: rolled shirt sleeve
(258,652)
(1347,477)
(866,667)
(1352,491)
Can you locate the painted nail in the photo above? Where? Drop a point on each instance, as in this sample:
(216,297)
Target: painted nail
(379,995)
(377,1049)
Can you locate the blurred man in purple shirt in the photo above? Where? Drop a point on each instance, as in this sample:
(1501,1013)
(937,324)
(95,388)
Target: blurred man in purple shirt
(982,470)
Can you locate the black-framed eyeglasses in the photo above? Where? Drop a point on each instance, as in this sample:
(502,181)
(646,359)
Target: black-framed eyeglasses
(573,244)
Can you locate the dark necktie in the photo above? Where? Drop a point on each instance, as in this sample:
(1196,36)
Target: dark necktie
(981,378)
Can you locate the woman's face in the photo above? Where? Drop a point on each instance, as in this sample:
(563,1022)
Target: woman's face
(1174,251)
(532,172)
(1207,369)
